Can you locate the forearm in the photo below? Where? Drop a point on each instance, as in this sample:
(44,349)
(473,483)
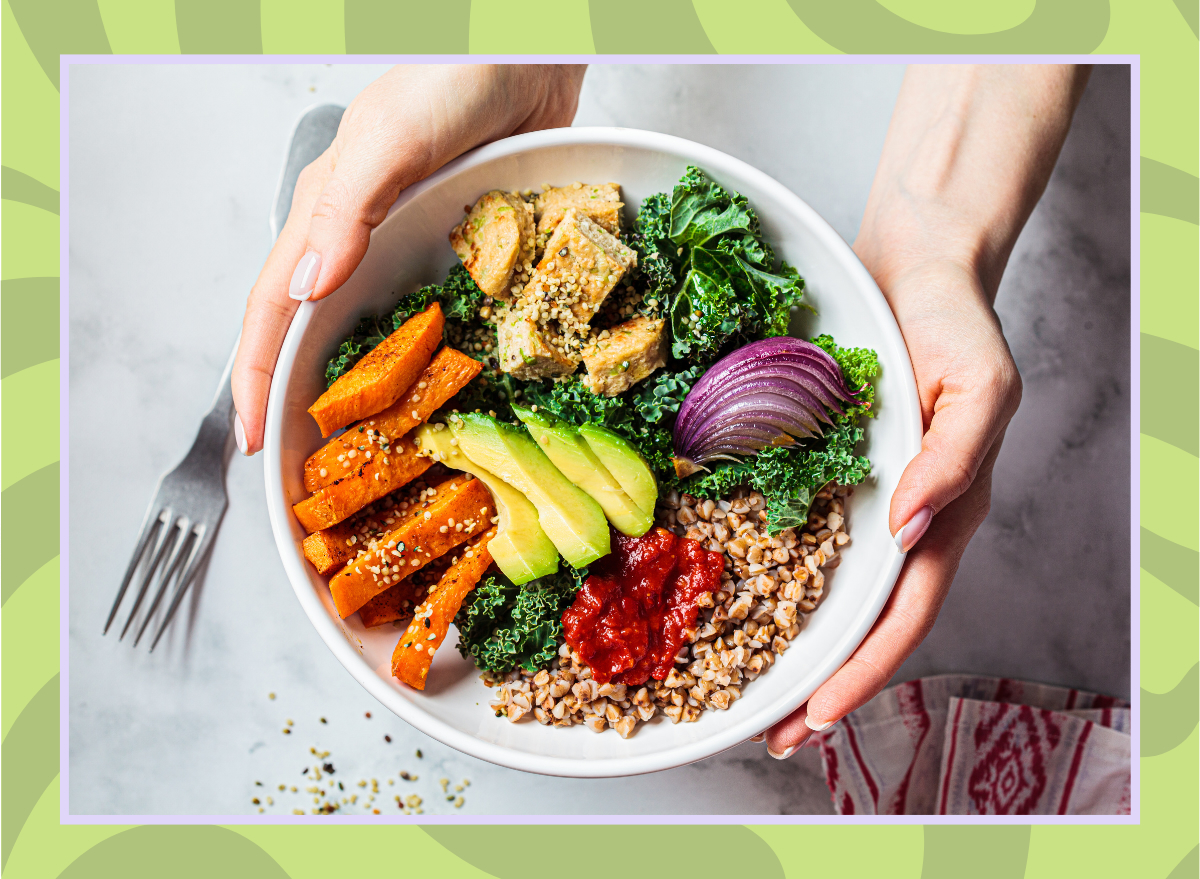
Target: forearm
(967,156)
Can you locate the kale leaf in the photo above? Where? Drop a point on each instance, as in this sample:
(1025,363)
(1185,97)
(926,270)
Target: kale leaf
(651,240)
(459,296)
(660,396)
(502,626)
(731,291)
(789,476)
(859,366)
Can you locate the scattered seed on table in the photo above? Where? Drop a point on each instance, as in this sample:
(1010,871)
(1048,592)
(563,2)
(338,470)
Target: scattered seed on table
(323,720)
(368,715)
(270,695)
(387,739)
(419,754)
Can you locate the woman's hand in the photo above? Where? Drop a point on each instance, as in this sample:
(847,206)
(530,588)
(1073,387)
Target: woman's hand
(400,129)
(967,156)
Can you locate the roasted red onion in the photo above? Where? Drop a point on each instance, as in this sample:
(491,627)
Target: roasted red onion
(771,392)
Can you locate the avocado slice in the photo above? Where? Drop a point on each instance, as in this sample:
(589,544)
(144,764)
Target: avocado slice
(572,520)
(520,548)
(625,463)
(569,453)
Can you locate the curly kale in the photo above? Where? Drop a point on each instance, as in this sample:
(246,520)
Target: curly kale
(789,476)
(859,366)
(459,296)
(731,291)
(660,396)
(651,240)
(502,626)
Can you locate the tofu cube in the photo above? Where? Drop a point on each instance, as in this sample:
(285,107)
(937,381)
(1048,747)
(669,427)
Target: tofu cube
(495,241)
(530,351)
(580,267)
(599,202)
(629,353)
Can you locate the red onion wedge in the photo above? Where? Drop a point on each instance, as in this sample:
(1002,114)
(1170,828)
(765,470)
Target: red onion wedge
(771,392)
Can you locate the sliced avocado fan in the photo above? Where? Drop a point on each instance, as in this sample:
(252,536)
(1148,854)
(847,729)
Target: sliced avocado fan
(573,521)
(520,548)
(569,453)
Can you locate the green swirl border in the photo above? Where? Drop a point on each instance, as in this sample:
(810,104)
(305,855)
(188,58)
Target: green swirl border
(36,32)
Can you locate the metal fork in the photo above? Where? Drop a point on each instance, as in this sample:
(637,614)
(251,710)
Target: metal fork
(187,509)
(183,517)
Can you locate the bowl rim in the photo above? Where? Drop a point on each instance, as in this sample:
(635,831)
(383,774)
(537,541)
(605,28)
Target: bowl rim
(335,639)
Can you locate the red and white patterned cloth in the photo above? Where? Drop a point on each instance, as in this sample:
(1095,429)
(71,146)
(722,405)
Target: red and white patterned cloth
(961,745)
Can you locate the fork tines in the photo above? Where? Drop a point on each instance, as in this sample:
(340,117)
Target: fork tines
(182,520)
(171,546)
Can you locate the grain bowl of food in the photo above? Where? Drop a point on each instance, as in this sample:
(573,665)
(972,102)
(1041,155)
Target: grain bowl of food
(586,469)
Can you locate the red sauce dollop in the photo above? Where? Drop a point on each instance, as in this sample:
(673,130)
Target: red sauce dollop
(629,617)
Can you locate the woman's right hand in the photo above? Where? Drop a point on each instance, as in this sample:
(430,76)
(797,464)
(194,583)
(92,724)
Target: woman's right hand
(400,129)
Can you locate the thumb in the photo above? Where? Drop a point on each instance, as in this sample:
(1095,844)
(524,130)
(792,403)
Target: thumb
(362,187)
(970,414)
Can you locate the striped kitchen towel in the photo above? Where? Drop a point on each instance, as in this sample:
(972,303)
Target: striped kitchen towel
(964,745)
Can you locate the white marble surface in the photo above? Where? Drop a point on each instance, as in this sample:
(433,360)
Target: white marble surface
(173,169)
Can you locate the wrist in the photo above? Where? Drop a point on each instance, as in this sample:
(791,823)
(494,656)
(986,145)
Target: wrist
(908,237)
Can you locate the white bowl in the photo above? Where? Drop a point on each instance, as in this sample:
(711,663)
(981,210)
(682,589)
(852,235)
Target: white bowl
(410,248)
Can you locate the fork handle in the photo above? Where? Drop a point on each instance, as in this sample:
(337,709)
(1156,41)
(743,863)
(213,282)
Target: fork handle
(218,422)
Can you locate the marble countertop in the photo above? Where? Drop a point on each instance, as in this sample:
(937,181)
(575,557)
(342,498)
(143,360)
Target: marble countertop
(172,173)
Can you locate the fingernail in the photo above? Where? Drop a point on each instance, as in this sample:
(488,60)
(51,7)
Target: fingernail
(761,737)
(304,279)
(239,434)
(787,752)
(913,529)
(818,727)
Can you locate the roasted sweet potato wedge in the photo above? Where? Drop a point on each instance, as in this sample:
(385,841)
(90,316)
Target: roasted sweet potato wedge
(399,600)
(372,479)
(428,534)
(431,622)
(328,550)
(446,374)
(379,379)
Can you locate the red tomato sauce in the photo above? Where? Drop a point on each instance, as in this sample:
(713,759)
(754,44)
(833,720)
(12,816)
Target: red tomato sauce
(629,617)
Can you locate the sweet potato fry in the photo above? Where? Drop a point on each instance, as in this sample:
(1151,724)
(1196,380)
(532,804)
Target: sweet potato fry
(446,374)
(374,478)
(431,622)
(328,550)
(399,600)
(379,379)
(415,542)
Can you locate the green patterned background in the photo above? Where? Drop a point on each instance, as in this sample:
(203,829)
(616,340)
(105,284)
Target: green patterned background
(1163,32)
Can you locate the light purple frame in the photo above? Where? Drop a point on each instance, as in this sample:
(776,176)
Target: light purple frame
(1134,62)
